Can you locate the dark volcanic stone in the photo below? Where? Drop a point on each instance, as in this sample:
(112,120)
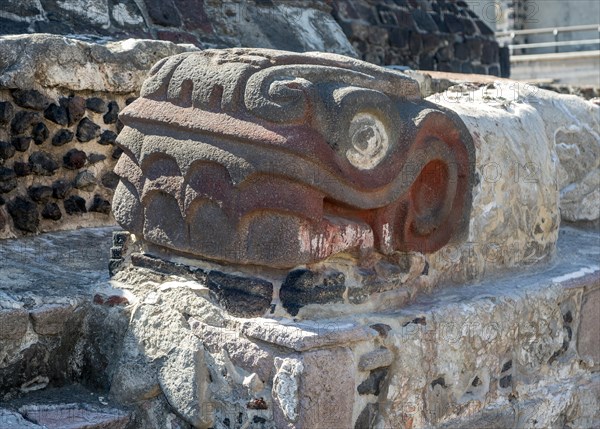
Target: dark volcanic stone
(372,385)
(100,205)
(22,121)
(113,113)
(96,157)
(85,180)
(8,26)
(96,104)
(40,133)
(2,202)
(30,98)
(163,12)
(7,150)
(42,163)
(74,159)
(424,21)
(241,296)
(40,193)
(62,137)
(75,108)
(74,205)
(21,143)
(6,112)
(107,137)
(117,153)
(22,169)
(57,114)
(87,130)
(130,100)
(367,417)
(61,188)
(302,287)
(110,180)
(24,213)
(8,180)
(51,211)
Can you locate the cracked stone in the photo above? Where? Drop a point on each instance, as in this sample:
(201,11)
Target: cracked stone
(75,108)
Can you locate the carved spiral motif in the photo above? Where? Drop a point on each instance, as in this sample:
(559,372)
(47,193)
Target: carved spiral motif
(369,139)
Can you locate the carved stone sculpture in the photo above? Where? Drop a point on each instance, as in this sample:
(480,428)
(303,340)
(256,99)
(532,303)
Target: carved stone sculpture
(271,158)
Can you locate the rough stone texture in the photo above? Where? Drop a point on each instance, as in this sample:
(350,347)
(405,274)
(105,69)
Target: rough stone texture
(58,115)
(425,35)
(375,166)
(298,25)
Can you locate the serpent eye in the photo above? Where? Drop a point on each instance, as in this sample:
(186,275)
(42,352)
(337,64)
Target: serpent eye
(369,141)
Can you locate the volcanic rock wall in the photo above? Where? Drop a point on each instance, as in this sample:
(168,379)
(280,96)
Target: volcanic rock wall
(58,125)
(440,35)
(426,35)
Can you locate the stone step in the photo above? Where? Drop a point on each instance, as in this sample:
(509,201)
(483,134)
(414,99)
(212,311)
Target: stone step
(65,408)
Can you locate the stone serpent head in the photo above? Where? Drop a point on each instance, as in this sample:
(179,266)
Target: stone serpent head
(254,156)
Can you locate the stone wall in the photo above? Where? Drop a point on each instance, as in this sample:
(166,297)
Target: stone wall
(58,125)
(297,25)
(430,35)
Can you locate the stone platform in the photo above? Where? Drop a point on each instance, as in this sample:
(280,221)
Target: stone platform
(515,351)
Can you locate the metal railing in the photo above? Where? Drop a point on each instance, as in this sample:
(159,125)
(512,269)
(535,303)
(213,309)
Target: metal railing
(556,31)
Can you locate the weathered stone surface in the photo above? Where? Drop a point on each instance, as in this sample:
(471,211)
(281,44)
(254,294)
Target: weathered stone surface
(75,416)
(62,137)
(57,114)
(100,205)
(14,420)
(588,341)
(74,205)
(42,163)
(30,98)
(75,107)
(7,150)
(107,137)
(74,159)
(40,133)
(50,319)
(22,169)
(8,180)
(14,323)
(85,180)
(113,67)
(303,287)
(21,143)
(6,112)
(358,153)
(61,188)
(24,213)
(23,120)
(40,193)
(112,115)
(87,130)
(51,211)
(242,296)
(375,359)
(95,104)
(307,335)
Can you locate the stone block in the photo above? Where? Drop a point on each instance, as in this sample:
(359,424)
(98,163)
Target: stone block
(588,337)
(13,323)
(75,416)
(315,389)
(50,319)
